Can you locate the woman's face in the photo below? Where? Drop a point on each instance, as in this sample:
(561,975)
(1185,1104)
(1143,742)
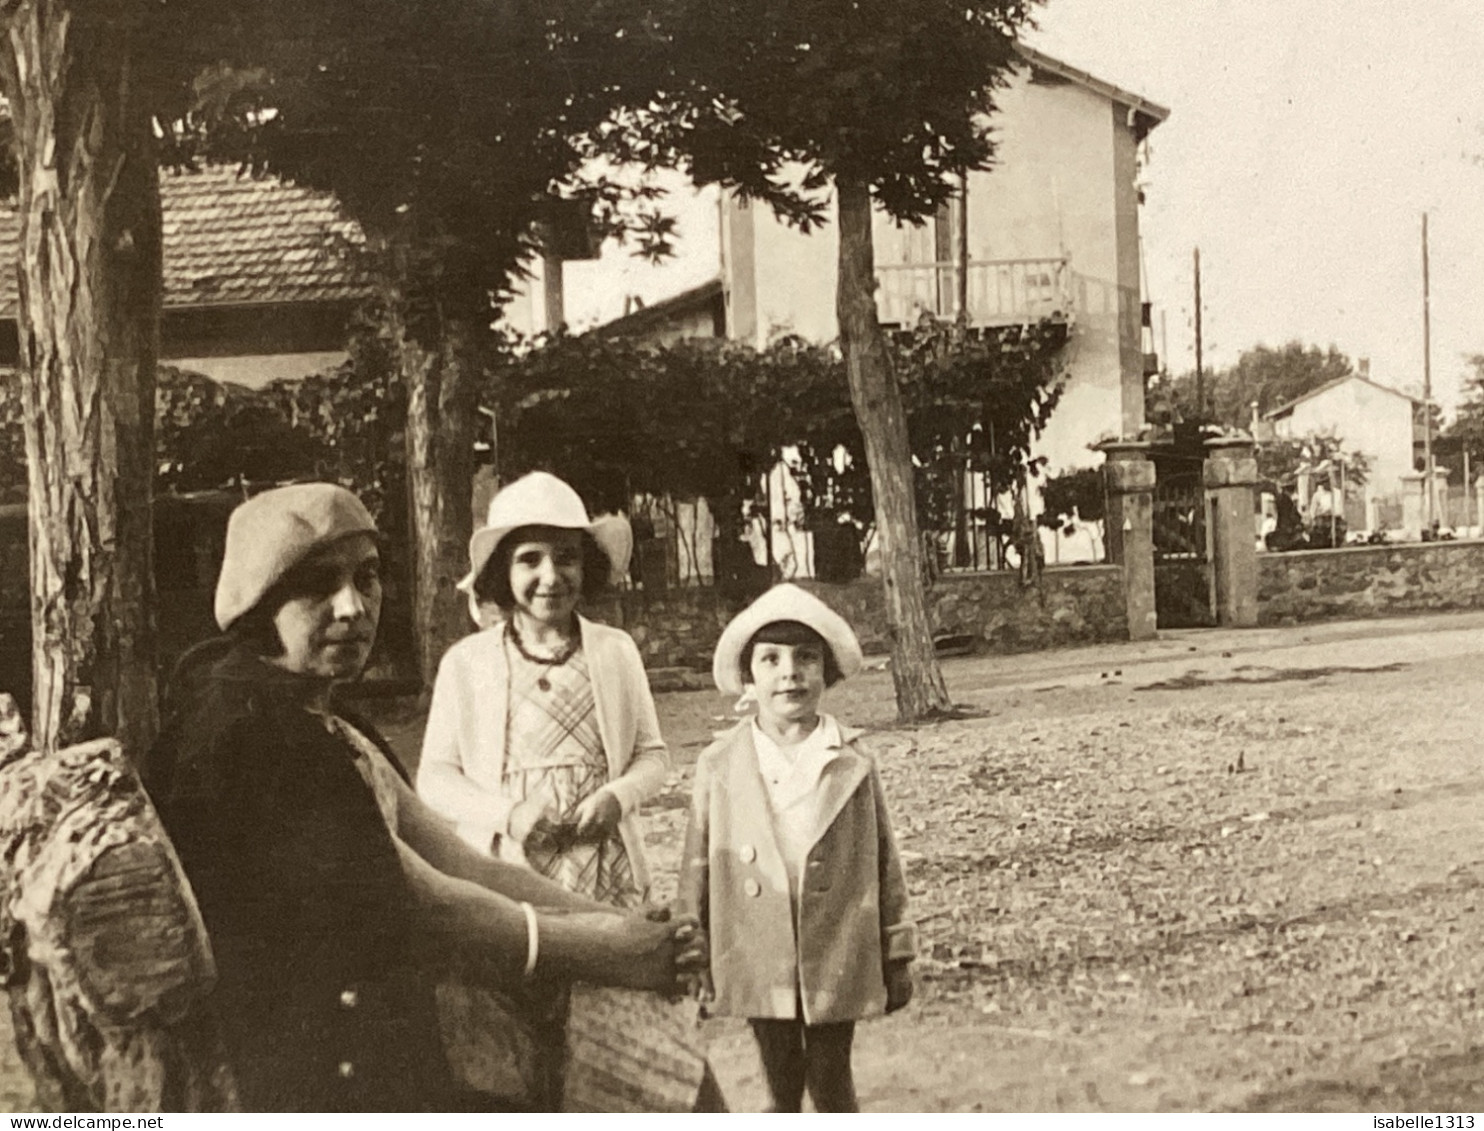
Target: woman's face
(328,622)
(546,574)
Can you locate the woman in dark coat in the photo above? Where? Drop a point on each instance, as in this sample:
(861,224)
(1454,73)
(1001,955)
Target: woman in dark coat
(329,891)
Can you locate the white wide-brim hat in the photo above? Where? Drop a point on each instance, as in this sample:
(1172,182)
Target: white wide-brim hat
(271,533)
(536,499)
(783,602)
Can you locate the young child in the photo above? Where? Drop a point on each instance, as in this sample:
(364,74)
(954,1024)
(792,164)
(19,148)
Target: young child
(789,860)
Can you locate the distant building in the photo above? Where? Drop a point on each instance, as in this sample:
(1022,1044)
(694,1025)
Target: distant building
(1052,231)
(1372,419)
(257,285)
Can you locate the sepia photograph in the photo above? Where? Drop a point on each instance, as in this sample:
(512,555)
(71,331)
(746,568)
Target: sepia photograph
(715,556)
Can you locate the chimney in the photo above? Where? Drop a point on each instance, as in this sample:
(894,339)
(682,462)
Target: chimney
(1363,366)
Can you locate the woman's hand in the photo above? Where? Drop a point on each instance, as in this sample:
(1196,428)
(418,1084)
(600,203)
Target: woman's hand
(641,954)
(597,816)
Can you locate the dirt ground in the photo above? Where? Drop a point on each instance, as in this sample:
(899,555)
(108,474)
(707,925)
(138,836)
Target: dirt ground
(1220,871)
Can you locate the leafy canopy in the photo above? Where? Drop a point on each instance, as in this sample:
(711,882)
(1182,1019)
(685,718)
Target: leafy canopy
(777,97)
(616,417)
(1266,376)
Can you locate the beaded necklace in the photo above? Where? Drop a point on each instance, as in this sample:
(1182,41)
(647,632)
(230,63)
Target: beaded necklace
(561,657)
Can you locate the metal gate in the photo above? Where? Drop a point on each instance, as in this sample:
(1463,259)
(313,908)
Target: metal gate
(1184,594)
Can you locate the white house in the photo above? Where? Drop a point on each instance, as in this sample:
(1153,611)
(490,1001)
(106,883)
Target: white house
(1052,231)
(1371,419)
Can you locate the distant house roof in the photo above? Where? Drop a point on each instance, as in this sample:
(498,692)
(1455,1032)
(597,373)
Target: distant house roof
(1148,114)
(1285,409)
(704,299)
(235,240)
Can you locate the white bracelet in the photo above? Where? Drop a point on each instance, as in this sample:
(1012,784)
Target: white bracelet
(533,938)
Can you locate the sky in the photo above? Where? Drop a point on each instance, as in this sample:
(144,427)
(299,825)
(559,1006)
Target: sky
(1304,144)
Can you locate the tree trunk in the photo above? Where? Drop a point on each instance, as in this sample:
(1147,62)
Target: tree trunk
(106,960)
(883,425)
(442,403)
(89,291)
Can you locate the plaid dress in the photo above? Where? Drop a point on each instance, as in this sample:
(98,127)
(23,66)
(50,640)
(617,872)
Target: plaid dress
(554,751)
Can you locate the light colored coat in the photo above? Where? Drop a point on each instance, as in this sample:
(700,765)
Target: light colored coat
(852,899)
(463,757)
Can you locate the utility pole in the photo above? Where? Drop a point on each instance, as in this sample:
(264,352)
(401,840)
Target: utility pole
(1200,373)
(1426,382)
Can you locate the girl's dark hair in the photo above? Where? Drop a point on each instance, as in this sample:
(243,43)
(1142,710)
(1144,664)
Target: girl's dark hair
(493,582)
(793,633)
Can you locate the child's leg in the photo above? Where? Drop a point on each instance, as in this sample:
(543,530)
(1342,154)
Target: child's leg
(781,1045)
(827,1064)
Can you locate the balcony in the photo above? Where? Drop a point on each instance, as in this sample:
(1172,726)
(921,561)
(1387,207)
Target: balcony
(1001,292)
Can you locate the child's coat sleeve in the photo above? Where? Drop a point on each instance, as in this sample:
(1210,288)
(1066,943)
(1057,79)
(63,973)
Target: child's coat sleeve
(898,932)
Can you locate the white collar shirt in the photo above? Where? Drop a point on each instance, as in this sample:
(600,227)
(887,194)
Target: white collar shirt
(791,780)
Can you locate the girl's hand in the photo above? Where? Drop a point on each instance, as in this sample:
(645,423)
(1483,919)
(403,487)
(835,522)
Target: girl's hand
(527,817)
(692,949)
(597,816)
(898,986)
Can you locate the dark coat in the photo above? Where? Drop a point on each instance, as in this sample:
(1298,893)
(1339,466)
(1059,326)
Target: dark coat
(322,998)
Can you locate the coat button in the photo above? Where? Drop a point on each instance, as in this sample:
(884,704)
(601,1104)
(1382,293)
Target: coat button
(748,854)
(753,888)
(349,999)
(346,1070)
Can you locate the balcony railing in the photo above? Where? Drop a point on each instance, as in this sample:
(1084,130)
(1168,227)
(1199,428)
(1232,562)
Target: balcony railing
(1000,291)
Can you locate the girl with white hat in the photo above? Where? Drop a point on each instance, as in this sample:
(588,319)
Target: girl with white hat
(542,738)
(333,897)
(789,860)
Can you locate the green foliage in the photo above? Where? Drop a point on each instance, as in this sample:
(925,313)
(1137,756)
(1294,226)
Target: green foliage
(12,440)
(778,97)
(1268,377)
(448,129)
(1279,461)
(1081,492)
(1466,431)
(208,435)
(344,425)
(617,417)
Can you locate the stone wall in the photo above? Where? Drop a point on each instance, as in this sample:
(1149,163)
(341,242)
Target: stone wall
(1074,605)
(675,628)
(1081,604)
(1370,581)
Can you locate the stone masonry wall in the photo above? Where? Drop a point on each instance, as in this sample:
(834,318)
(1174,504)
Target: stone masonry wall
(1369,581)
(1082,604)
(1074,605)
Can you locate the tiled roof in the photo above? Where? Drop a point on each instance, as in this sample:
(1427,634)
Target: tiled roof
(231,239)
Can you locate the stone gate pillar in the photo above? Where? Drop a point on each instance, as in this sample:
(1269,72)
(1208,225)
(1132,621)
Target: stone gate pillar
(1414,507)
(1230,476)
(1129,524)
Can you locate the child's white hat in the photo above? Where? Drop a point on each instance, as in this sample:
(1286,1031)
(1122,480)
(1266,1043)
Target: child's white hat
(783,602)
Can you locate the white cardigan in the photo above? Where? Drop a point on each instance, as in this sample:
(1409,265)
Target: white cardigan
(463,757)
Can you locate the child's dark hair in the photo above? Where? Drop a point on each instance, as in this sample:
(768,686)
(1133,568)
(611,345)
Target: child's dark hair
(793,633)
(493,583)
